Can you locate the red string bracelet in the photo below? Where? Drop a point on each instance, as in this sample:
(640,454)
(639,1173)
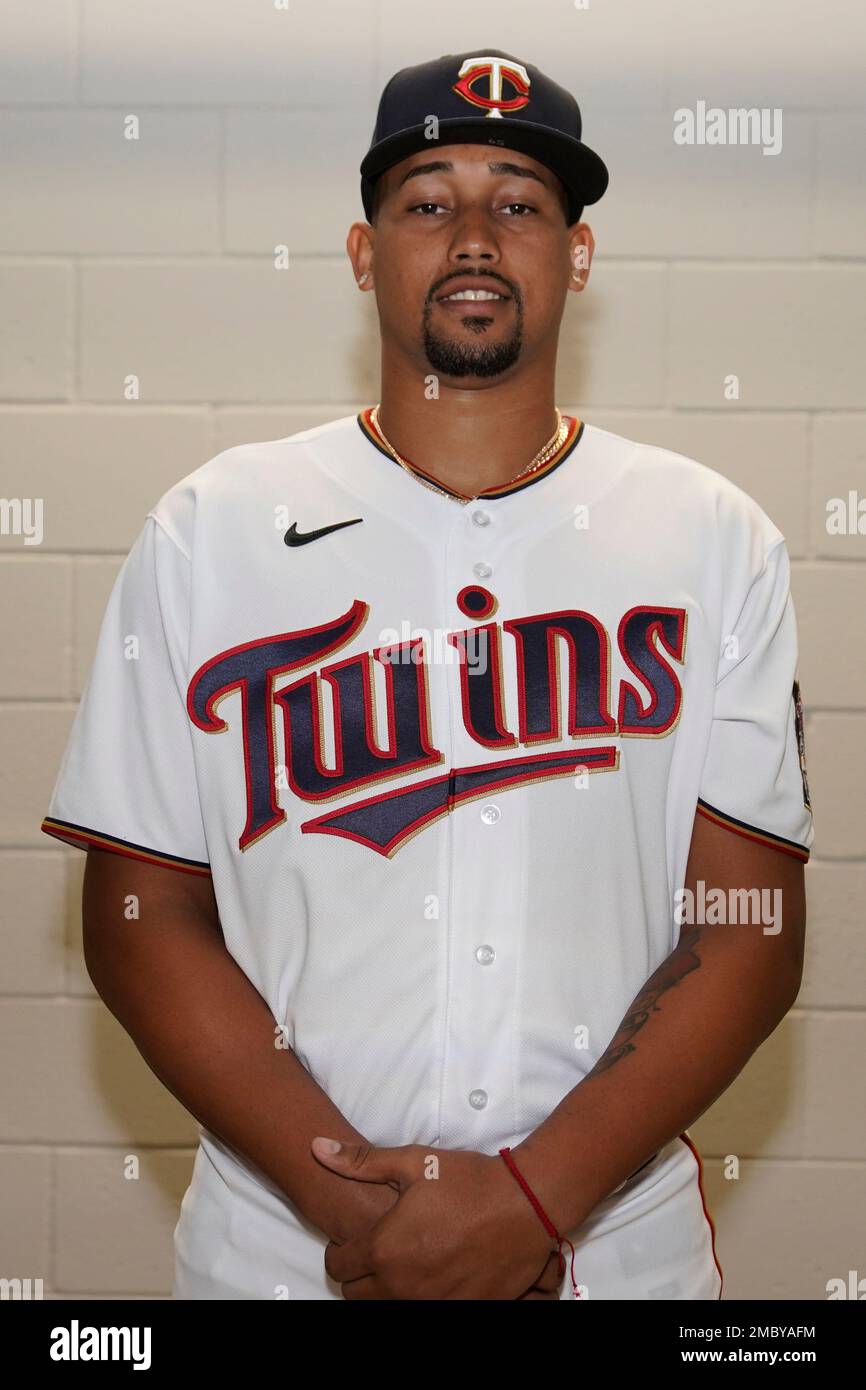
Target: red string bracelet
(548,1224)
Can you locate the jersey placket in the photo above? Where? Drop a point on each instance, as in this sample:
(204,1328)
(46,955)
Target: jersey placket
(484,863)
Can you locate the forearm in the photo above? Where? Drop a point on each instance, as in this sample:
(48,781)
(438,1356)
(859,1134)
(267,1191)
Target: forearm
(211,1039)
(687,1035)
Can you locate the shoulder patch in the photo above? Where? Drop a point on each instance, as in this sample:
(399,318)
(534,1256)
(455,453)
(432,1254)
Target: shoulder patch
(801,742)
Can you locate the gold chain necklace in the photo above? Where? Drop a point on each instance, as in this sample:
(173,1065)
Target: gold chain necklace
(556,440)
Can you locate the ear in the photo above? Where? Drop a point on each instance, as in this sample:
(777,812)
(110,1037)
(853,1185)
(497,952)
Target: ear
(581,248)
(359,248)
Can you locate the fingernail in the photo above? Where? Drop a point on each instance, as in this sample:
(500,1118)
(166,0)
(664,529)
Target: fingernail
(329,1146)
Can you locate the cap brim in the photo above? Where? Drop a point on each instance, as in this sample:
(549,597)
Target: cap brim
(580,168)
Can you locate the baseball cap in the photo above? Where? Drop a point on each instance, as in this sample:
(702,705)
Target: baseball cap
(484,98)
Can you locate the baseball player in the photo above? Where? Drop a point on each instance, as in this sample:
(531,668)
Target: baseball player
(408,741)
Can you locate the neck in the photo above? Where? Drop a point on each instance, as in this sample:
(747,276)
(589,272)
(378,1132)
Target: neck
(470,439)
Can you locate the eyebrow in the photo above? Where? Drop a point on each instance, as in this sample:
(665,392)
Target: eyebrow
(444,166)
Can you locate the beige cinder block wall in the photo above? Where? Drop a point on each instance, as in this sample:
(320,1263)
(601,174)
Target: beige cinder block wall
(153,257)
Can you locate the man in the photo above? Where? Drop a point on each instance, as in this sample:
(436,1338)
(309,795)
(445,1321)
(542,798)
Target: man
(412,791)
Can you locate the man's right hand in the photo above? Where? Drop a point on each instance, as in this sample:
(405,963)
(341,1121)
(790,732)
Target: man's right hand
(370,1201)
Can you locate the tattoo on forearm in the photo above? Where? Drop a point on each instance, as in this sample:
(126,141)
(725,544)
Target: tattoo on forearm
(680,963)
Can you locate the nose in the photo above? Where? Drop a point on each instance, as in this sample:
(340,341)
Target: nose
(474,238)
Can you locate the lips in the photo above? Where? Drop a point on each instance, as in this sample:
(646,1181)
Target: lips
(472,291)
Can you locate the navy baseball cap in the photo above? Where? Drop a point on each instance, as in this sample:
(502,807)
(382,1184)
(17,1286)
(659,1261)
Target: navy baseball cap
(484,98)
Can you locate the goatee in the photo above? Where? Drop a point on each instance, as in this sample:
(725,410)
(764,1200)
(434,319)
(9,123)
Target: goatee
(457,358)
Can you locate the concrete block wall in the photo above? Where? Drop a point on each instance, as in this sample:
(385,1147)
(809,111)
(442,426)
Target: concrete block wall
(154,257)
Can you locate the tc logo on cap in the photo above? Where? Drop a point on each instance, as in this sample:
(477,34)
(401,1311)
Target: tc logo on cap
(495,69)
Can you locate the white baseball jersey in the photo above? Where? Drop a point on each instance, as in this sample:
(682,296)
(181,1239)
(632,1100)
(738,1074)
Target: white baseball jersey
(442,758)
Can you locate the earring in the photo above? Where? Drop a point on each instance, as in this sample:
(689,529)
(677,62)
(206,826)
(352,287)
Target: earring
(362,278)
(575,276)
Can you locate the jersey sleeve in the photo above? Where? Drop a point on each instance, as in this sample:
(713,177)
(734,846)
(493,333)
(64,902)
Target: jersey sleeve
(127,780)
(754,777)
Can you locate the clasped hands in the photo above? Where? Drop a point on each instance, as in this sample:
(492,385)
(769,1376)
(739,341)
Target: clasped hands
(459,1227)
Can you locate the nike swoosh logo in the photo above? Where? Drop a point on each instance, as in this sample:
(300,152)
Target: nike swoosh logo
(295,537)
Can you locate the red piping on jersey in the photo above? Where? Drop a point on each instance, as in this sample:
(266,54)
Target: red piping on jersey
(81,838)
(686,1140)
(751,832)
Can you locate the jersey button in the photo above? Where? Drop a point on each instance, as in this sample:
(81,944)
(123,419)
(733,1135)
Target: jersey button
(481,518)
(485,955)
(478,1099)
(482,571)
(490,814)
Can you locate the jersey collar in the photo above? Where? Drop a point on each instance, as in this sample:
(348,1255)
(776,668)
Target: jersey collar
(572,438)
